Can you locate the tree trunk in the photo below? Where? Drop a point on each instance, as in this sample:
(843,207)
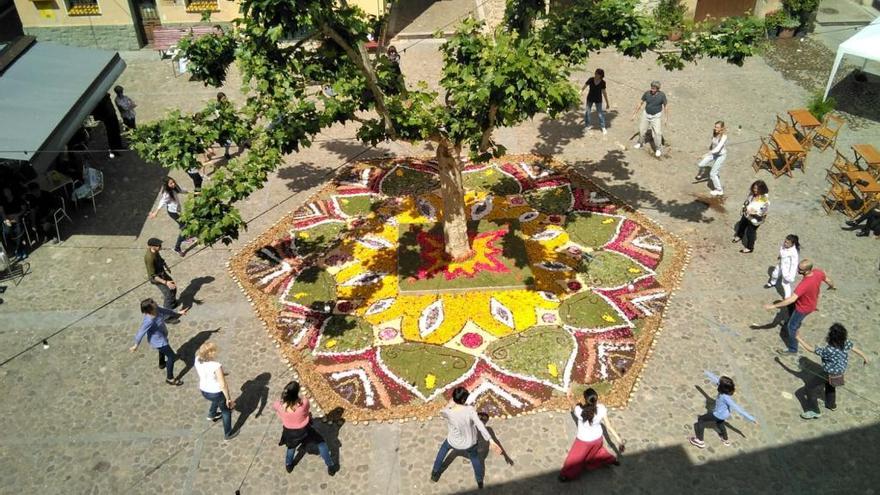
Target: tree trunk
(454,216)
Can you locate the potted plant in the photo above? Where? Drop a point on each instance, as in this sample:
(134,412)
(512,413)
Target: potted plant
(788,25)
(669,16)
(804,11)
(771,22)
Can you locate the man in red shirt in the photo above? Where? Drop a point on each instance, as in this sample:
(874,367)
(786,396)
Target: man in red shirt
(805,299)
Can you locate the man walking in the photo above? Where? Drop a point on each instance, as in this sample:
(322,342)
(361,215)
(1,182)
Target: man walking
(159,275)
(656,108)
(805,300)
(126,108)
(153,327)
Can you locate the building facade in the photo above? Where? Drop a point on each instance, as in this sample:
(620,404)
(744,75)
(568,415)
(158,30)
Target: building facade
(127,24)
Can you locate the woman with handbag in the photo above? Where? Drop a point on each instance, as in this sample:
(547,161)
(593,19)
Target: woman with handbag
(754,213)
(835,359)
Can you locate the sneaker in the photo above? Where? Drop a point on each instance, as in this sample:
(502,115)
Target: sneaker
(231,435)
(604,131)
(637,145)
(811,415)
(112,155)
(851,223)
(726,443)
(288,468)
(479,485)
(768,285)
(697,442)
(717,192)
(786,352)
(181,253)
(435,477)
(831,408)
(215,417)
(658,153)
(332,470)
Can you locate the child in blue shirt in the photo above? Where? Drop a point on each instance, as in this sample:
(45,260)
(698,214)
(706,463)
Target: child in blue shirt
(723,405)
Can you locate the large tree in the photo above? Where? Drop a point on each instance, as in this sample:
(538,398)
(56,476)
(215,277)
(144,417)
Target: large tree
(490,79)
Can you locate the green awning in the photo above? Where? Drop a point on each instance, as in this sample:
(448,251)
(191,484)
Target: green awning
(45,95)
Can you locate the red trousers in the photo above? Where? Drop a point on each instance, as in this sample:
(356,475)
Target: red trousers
(585,455)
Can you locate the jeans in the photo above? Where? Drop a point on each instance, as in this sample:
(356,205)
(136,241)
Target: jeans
(322,449)
(794,323)
(808,394)
(180,238)
(700,426)
(715,161)
(652,122)
(473,455)
(169,296)
(166,360)
(599,111)
(218,401)
(748,232)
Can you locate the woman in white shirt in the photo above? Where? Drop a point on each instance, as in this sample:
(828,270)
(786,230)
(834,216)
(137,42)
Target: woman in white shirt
(212,383)
(714,158)
(588,450)
(169,198)
(786,266)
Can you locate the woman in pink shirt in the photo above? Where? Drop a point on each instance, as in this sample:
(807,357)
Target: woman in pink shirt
(297,420)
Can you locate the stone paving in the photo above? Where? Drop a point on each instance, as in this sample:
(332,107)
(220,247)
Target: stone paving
(86,416)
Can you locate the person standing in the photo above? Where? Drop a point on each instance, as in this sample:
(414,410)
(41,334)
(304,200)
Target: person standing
(714,159)
(158,273)
(153,327)
(169,198)
(463,423)
(786,264)
(126,107)
(588,450)
(724,404)
(805,300)
(296,418)
(834,363)
(595,94)
(212,384)
(656,108)
(754,212)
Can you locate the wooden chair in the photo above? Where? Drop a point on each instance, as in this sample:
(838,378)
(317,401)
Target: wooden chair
(826,135)
(765,157)
(782,125)
(839,195)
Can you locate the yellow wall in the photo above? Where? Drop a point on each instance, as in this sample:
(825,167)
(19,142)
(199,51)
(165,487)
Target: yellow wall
(373,7)
(176,13)
(54,13)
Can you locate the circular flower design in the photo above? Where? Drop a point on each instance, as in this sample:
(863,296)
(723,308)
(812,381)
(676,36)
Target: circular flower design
(518,323)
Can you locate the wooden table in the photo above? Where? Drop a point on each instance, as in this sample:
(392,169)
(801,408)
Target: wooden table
(803,120)
(870,191)
(869,155)
(791,149)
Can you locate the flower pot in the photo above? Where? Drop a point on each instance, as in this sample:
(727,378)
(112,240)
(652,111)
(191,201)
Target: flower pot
(786,32)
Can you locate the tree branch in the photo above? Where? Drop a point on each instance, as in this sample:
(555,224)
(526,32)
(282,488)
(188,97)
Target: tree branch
(361,59)
(309,37)
(486,139)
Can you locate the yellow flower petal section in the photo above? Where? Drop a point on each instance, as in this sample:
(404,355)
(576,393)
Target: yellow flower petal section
(430,381)
(609,318)
(553,370)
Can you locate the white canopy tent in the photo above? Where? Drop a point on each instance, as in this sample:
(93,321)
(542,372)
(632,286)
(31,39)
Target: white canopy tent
(865,44)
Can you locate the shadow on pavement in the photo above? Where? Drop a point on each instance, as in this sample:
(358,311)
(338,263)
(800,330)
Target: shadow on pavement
(254,396)
(188,297)
(622,185)
(187,352)
(859,98)
(794,468)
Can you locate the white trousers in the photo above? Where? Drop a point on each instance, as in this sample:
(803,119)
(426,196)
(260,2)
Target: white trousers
(786,282)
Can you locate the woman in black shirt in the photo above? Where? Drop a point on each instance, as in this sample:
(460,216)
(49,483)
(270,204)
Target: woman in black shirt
(595,96)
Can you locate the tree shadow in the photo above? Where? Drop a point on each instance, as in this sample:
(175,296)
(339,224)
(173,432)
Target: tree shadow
(304,176)
(188,297)
(254,396)
(621,184)
(187,352)
(347,149)
(554,134)
(710,406)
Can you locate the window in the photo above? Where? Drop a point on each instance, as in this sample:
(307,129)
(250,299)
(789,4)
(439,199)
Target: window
(83,7)
(202,6)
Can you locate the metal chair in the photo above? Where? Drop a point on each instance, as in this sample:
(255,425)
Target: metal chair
(94,185)
(58,215)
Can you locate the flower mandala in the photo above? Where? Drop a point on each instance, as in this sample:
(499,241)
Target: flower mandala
(563,289)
